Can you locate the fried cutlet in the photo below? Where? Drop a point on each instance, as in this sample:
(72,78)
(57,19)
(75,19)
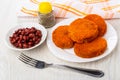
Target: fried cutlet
(102,27)
(82,30)
(92,49)
(60,37)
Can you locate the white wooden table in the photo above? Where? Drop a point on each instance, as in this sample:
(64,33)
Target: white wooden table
(13,69)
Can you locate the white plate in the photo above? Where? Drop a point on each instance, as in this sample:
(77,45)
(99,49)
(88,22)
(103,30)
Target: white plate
(69,55)
(25,25)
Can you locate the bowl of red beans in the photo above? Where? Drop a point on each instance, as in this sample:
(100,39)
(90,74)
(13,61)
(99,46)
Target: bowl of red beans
(25,36)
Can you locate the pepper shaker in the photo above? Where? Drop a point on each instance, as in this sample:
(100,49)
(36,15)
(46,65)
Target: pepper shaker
(46,15)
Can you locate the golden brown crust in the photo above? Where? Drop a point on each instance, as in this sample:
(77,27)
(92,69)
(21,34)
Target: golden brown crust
(82,30)
(102,27)
(60,37)
(92,49)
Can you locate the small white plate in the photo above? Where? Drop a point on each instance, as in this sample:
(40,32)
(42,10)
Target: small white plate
(69,55)
(25,25)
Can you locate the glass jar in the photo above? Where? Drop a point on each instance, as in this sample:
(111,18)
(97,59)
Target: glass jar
(47,20)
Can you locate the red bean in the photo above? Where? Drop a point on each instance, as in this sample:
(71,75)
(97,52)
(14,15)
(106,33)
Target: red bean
(16,44)
(34,39)
(25,45)
(20,45)
(31,35)
(21,37)
(30,43)
(25,37)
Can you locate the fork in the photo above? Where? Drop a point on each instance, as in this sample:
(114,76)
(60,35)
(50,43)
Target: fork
(41,64)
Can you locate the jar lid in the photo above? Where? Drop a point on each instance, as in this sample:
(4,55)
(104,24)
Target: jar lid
(45,7)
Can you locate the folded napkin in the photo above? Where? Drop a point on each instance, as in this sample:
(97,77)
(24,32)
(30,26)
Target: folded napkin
(108,9)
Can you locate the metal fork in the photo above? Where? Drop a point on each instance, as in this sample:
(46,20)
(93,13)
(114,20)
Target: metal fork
(41,64)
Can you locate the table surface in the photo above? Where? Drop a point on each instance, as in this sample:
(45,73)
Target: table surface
(13,69)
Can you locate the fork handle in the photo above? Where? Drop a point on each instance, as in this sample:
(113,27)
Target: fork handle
(90,72)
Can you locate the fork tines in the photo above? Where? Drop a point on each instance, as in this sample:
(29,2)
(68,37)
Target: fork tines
(27,60)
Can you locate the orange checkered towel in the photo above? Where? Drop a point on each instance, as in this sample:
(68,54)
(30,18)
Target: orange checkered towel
(108,9)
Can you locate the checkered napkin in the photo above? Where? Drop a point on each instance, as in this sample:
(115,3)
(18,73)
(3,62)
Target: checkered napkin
(108,9)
